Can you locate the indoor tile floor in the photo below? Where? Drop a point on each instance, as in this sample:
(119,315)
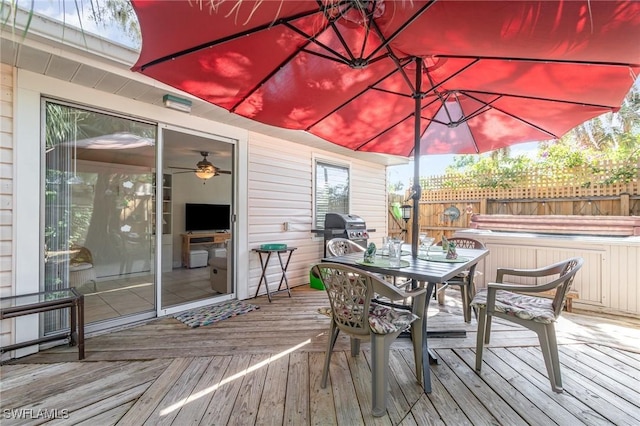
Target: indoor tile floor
(113,298)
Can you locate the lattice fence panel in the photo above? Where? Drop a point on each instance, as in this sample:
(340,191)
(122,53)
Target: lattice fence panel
(607,189)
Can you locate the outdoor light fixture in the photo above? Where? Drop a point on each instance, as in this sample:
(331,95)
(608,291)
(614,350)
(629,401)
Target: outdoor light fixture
(174,102)
(406,212)
(406,215)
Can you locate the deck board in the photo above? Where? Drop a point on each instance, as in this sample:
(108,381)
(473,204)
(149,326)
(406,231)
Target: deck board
(265,368)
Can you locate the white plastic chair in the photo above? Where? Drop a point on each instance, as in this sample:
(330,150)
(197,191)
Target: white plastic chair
(519,304)
(353,311)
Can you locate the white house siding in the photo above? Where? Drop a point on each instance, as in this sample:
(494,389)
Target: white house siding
(6,193)
(608,282)
(280,189)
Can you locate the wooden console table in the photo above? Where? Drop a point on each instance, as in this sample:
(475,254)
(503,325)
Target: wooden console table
(200,239)
(35,303)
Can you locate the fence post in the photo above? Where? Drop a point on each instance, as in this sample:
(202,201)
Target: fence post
(483,206)
(624,205)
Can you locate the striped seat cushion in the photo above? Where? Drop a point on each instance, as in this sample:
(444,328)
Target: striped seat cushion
(383,319)
(538,309)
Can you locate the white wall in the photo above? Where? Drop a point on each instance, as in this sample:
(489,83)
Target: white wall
(7,281)
(188,188)
(280,190)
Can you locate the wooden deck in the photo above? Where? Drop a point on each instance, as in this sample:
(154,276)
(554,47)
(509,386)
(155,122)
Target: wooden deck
(264,367)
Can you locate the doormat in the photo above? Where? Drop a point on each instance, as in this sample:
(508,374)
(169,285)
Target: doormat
(214,313)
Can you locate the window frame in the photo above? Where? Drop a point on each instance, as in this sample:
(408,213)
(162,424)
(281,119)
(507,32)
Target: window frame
(327,161)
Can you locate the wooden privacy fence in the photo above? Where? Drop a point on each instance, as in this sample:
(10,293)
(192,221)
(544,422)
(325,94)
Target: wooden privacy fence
(448,202)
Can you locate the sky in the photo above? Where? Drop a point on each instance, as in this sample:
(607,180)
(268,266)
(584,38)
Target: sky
(72,12)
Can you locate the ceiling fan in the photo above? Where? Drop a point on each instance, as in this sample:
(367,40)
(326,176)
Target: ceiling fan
(204,169)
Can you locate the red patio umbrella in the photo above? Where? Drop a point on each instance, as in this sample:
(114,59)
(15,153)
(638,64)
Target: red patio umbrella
(405,78)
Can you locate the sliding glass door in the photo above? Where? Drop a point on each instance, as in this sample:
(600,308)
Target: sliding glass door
(117,230)
(98,211)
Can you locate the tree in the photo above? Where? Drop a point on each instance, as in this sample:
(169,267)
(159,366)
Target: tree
(611,136)
(105,13)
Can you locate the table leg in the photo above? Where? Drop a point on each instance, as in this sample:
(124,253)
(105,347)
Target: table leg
(80,307)
(73,335)
(263,277)
(284,272)
(428,356)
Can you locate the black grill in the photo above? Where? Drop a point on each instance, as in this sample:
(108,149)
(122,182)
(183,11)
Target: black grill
(349,226)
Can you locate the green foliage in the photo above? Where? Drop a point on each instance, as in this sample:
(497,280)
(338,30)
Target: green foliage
(104,13)
(396,187)
(496,171)
(611,137)
(118,12)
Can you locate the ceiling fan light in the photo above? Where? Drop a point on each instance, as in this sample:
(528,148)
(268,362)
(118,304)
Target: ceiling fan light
(206,172)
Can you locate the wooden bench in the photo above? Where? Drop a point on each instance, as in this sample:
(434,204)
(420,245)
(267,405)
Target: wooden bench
(573,294)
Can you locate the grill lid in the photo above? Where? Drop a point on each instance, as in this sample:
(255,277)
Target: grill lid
(343,221)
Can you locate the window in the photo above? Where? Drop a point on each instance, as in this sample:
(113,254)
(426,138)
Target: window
(331,191)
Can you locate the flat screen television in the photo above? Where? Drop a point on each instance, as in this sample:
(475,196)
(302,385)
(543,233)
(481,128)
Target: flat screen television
(207,217)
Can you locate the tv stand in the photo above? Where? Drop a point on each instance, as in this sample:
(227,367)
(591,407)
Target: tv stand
(193,241)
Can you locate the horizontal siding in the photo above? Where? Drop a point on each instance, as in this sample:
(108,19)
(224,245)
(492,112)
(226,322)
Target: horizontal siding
(7,283)
(608,281)
(280,190)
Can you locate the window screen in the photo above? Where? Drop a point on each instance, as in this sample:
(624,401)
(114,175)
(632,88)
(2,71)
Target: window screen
(332,190)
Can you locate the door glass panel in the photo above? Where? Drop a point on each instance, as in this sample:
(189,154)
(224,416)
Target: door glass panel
(98,218)
(197,211)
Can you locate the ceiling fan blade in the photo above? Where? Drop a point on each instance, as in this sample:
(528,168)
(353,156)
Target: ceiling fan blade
(224,172)
(186,171)
(183,168)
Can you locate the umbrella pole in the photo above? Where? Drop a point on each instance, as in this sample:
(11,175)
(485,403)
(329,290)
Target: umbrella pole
(415,228)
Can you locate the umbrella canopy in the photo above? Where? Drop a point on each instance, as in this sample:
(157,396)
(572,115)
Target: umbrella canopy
(404,78)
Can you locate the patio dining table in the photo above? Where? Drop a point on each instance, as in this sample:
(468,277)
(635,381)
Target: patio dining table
(436,270)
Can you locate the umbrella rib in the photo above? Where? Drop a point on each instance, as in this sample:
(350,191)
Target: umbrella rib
(404,75)
(310,40)
(455,74)
(533,98)
(314,40)
(374,137)
(261,82)
(332,24)
(387,40)
(543,61)
(350,99)
(222,40)
(553,135)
